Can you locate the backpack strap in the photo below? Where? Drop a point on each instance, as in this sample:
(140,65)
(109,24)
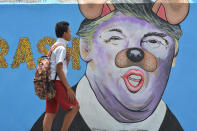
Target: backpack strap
(52,49)
(55,77)
(49,55)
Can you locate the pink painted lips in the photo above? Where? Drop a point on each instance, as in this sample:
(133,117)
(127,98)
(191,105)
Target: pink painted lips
(134,80)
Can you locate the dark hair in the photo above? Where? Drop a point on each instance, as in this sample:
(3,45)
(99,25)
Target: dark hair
(60,28)
(141,10)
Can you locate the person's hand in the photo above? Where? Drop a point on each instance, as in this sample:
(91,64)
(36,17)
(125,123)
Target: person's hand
(70,95)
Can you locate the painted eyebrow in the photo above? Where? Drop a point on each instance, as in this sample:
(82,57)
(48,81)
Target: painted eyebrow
(116,30)
(155,34)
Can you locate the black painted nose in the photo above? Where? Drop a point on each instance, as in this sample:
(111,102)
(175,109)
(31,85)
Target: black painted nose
(135,54)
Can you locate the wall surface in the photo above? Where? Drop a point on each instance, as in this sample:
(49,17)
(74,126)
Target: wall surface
(20,108)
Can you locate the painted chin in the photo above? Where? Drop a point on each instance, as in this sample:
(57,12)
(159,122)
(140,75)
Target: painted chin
(134,80)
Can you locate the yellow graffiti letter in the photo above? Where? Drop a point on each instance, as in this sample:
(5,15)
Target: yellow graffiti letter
(75,53)
(4,50)
(23,54)
(43,42)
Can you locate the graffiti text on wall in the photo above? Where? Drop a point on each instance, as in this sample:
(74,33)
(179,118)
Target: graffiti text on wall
(24,52)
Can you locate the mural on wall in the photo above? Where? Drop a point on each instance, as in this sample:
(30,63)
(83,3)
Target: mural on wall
(129,48)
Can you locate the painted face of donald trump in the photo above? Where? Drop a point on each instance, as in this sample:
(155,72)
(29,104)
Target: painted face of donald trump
(128,65)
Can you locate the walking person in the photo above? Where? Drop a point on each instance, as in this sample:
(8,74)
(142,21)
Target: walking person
(65,97)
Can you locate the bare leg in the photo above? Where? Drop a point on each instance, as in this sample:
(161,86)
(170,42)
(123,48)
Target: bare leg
(68,118)
(48,120)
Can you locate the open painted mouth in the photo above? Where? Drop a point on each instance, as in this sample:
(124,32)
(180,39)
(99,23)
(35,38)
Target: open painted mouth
(134,80)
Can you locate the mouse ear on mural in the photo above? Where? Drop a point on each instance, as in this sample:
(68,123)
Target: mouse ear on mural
(92,9)
(173,11)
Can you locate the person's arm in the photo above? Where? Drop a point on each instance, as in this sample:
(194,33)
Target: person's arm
(60,73)
(67,57)
(60,54)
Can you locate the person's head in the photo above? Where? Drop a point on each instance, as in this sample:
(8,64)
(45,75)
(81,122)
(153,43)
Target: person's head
(129,54)
(62,30)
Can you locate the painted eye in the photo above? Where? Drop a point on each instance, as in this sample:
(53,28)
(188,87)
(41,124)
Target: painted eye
(113,38)
(156,45)
(152,43)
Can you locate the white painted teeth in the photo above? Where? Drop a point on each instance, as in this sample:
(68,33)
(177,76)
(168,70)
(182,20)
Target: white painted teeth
(134,83)
(135,77)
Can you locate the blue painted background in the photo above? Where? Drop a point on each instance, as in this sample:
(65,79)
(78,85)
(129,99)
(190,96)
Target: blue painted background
(20,108)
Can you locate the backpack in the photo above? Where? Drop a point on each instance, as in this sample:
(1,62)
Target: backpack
(43,85)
